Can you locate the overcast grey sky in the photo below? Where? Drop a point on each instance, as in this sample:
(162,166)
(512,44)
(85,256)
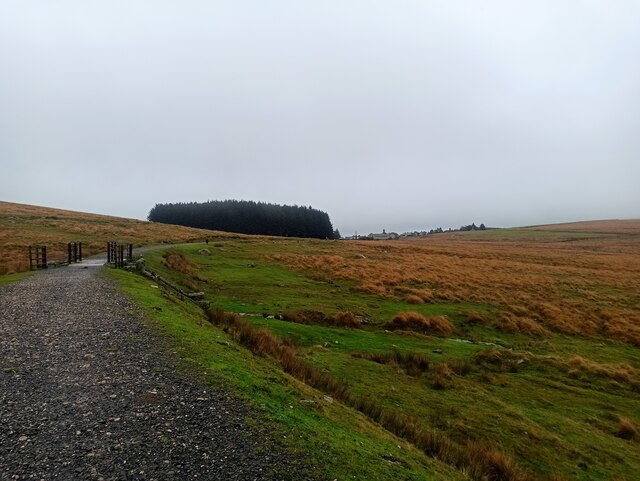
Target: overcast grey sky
(386,114)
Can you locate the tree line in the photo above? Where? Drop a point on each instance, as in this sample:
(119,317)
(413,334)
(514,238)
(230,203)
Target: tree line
(472,227)
(247,217)
(440,230)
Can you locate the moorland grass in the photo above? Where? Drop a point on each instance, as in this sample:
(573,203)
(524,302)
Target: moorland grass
(522,398)
(548,386)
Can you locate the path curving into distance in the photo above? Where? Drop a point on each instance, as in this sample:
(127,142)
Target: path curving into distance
(85,393)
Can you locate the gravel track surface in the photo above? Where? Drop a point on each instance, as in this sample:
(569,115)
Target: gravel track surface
(85,393)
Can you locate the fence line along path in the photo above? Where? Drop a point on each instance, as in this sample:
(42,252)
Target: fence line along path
(86,393)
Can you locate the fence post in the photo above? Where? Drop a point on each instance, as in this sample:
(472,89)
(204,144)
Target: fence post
(69,252)
(79,251)
(44,257)
(30,258)
(108,252)
(130,253)
(75,252)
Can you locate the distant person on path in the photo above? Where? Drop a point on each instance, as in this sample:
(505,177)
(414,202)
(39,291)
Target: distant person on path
(207,240)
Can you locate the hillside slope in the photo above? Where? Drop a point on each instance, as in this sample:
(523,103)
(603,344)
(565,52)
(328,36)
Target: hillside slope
(23,225)
(610,226)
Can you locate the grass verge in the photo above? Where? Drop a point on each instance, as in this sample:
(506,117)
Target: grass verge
(6,279)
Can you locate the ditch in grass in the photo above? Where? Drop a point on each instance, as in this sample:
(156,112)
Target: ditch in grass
(338,442)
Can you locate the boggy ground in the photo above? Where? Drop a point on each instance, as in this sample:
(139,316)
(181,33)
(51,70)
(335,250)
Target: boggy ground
(86,393)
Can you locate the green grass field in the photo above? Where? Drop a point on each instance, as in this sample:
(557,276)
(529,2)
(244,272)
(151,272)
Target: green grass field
(555,405)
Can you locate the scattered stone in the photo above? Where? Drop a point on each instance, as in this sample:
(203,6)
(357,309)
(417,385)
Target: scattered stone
(437,351)
(204,252)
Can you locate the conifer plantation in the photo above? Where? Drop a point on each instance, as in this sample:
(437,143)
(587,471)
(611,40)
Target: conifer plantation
(247,217)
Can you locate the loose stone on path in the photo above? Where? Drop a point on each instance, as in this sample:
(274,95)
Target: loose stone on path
(86,393)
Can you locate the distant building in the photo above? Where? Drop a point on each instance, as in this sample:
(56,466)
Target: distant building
(384,236)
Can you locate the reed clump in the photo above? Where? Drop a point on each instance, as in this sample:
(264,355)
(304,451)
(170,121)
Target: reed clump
(414,321)
(626,429)
(412,363)
(309,317)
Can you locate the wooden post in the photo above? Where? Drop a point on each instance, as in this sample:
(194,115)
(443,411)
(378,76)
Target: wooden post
(69,252)
(75,252)
(130,253)
(108,252)
(44,257)
(79,251)
(30,258)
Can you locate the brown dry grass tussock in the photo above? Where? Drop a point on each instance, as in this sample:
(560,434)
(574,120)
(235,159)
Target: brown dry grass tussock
(481,463)
(581,283)
(626,429)
(340,319)
(414,321)
(412,363)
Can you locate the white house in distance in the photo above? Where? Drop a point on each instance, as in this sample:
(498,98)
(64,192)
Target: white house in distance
(384,236)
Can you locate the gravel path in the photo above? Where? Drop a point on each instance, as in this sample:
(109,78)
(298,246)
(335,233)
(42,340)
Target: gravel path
(86,394)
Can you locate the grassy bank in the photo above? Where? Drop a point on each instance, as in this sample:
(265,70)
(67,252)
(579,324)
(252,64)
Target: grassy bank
(338,442)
